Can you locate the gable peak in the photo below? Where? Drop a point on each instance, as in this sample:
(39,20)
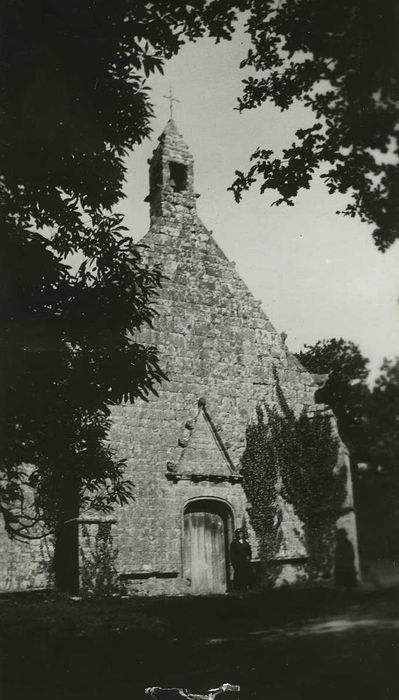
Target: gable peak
(170,128)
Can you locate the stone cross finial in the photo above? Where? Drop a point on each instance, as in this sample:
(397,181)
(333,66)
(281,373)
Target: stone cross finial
(171,101)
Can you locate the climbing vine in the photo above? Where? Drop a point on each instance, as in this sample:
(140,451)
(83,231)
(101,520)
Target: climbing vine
(98,571)
(298,455)
(259,470)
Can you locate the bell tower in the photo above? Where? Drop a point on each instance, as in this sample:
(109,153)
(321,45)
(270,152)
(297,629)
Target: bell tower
(171,195)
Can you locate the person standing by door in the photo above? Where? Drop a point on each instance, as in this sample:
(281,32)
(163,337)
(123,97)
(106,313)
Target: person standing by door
(240,558)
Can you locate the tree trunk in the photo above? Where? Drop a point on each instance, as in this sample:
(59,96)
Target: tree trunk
(66,554)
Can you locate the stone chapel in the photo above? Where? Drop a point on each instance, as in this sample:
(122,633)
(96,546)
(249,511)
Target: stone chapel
(183,448)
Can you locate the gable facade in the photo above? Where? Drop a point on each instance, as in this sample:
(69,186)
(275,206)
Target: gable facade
(220,353)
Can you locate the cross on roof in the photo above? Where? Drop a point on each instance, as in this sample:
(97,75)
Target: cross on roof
(171,101)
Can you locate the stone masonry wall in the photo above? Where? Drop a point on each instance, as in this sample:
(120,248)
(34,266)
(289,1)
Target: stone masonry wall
(25,565)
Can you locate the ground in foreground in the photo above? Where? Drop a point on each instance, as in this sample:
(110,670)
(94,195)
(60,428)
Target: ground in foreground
(287,645)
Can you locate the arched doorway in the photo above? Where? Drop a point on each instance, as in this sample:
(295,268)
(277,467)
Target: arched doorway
(208,527)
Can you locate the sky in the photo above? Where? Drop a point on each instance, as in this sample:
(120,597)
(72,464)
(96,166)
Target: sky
(317,274)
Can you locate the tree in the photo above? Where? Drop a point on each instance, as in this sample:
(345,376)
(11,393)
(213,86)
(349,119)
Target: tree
(339,59)
(378,482)
(368,424)
(383,418)
(76,289)
(345,390)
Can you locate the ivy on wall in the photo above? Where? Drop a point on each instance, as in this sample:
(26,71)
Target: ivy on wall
(259,469)
(298,455)
(98,558)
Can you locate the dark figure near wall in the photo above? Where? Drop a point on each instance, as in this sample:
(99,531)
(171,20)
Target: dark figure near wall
(240,557)
(344,572)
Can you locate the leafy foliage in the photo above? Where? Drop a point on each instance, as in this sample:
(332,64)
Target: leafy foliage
(68,353)
(384,423)
(76,100)
(76,289)
(345,391)
(259,467)
(99,575)
(312,483)
(368,424)
(378,483)
(339,59)
(299,456)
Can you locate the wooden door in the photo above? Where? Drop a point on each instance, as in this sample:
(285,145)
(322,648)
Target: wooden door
(205,552)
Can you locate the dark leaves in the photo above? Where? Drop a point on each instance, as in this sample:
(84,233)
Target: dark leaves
(340,60)
(296,456)
(75,103)
(345,391)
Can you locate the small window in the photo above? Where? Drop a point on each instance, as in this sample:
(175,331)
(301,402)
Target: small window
(178,176)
